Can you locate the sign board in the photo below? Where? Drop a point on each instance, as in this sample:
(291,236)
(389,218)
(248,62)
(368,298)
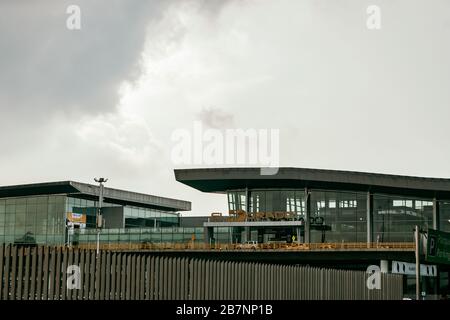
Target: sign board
(78,219)
(401,267)
(438,247)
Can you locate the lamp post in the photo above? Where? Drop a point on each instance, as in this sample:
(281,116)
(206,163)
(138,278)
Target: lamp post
(417,232)
(416,238)
(99,220)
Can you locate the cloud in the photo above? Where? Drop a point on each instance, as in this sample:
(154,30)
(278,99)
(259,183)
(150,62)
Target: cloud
(107,99)
(125,137)
(61,93)
(47,67)
(216,118)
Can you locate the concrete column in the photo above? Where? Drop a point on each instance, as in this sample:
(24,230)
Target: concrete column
(307,215)
(436,217)
(205,235)
(209,234)
(247,200)
(384,266)
(369,217)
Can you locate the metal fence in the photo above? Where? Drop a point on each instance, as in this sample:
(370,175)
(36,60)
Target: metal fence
(182,246)
(44,273)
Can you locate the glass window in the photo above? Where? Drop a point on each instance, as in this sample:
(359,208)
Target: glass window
(398,203)
(338,217)
(41,199)
(395,217)
(242,202)
(10,208)
(332,204)
(32,200)
(231,202)
(236,200)
(444,216)
(257,201)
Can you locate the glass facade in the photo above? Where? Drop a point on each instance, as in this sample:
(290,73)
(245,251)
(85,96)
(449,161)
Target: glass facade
(227,235)
(237,201)
(339,216)
(136,217)
(394,218)
(144,235)
(264,205)
(444,216)
(269,201)
(37,219)
(42,219)
(87,207)
(334,216)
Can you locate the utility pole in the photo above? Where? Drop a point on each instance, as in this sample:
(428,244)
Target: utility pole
(99,220)
(417,237)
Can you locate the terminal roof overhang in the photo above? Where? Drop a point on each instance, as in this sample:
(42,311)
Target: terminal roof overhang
(91,192)
(220,180)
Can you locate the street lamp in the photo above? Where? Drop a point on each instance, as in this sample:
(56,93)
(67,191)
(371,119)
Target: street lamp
(99,220)
(417,232)
(417,254)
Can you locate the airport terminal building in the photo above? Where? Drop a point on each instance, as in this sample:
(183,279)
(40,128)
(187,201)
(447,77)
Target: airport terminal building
(326,218)
(331,218)
(59,213)
(317,206)
(295,205)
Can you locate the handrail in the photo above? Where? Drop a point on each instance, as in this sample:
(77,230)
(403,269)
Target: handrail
(187,246)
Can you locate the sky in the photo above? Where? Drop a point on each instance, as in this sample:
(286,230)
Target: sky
(105,100)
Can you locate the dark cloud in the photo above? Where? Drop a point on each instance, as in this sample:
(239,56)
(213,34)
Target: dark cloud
(343,96)
(44,66)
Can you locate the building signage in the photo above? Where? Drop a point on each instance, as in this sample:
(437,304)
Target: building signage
(78,219)
(438,247)
(401,267)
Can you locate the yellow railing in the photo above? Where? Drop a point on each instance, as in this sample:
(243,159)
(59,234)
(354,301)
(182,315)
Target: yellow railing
(250,247)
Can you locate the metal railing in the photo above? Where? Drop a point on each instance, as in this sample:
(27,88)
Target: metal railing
(186,246)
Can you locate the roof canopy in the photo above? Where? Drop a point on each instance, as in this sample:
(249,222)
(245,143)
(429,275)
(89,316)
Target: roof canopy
(223,179)
(91,192)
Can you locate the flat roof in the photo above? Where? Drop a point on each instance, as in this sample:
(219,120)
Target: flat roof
(91,192)
(220,180)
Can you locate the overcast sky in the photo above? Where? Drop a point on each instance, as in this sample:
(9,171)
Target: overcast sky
(105,100)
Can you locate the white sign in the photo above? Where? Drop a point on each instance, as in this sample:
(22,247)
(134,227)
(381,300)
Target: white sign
(410,268)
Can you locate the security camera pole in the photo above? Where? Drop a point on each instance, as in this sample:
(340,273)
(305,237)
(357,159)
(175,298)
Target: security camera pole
(99,220)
